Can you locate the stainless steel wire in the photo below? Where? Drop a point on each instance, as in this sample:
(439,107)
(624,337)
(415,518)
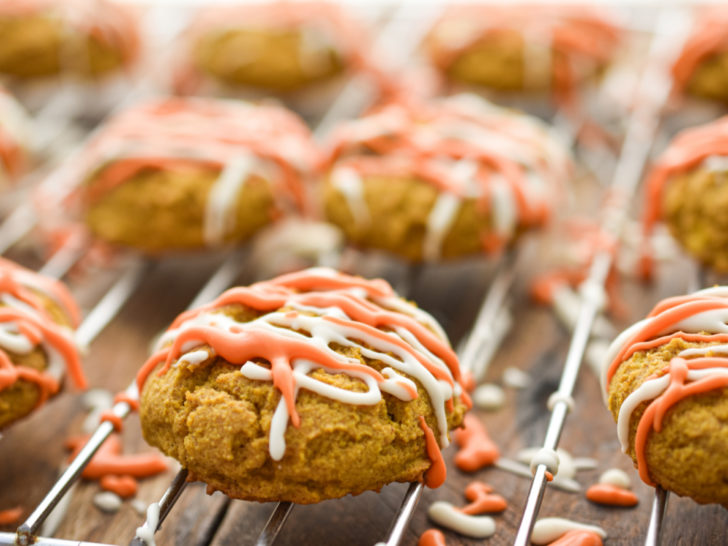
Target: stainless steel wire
(652,94)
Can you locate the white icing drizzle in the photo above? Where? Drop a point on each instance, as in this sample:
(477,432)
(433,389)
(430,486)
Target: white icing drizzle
(715,321)
(439,221)
(350,185)
(445,514)
(107,501)
(322,334)
(221,202)
(146,531)
(520,469)
(715,163)
(616,477)
(547,530)
(653,388)
(489,397)
(546,457)
(516,378)
(559,397)
(487,129)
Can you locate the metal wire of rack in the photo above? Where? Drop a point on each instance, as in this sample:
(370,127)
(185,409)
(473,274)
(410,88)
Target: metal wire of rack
(652,94)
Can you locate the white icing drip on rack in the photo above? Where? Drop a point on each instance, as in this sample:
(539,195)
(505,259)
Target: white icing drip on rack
(445,514)
(547,530)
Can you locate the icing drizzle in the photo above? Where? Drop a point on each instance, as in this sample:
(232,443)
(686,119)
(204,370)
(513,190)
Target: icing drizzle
(583,40)
(709,37)
(26,324)
(509,163)
(304,313)
(689,149)
(701,317)
(238,140)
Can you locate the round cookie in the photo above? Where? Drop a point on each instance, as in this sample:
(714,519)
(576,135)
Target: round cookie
(88,38)
(701,69)
(276,46)
(442,179)
(518,48)
(36,340)
(311,386)
(666,381)
(687,188)
(179,174)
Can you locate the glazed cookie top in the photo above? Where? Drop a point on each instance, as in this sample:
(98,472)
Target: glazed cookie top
(237,138)
(705,146)
(324,26)
(582,39)
(27,323)
(701,317)
(512,164)
(299,318)
(107,22)
(14,137)
(709,37)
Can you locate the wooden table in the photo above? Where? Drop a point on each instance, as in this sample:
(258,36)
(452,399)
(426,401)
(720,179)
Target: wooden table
(32,450)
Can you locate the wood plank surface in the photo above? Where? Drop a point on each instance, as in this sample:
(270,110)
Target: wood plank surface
(31,451)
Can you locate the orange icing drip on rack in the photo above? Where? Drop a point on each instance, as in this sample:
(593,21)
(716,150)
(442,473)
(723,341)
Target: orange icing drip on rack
(687,150)
(25,323)
(179,134)
(332,308)
(477,450)
(482,500)
(573,33)
(692,372)
(578,537)
(436,141)
(611,495)
(329,20)
(432,537)
(107,22)
(11,515)
(709,37)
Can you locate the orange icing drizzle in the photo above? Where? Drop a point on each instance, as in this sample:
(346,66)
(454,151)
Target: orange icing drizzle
(109,460)
(436,474)
(182,134)
(399,153)
(112,418)
(687,150)
(108,22)
(660,322)
(482,500)
(363,302)
(476,448)
(663,318)
(676,391)
(578,537)
(432,537)
(576,33)
(611,495)
(709,37)
(124,486)
(124,397)
(38,327)
(349,39)
(11,515)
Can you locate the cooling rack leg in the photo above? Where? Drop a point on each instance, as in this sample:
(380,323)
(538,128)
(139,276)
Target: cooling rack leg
(274,524)
(403,517)
(654,529)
